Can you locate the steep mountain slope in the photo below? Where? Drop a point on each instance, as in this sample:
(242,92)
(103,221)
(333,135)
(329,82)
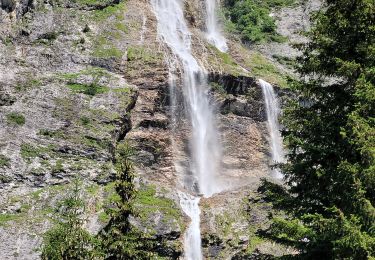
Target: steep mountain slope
(78,77)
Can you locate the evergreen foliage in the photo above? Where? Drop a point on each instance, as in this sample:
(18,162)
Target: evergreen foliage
(252,20)
(120,239)
(68,239)
(330,134)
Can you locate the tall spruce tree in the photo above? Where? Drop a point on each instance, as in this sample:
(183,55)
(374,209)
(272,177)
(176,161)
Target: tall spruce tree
(120,240)
(330,133)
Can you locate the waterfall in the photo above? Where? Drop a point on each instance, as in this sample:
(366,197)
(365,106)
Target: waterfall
(273,112)
(204,140)
(213,31)
(190,206)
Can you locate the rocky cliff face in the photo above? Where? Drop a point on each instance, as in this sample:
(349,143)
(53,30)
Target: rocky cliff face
(78,77)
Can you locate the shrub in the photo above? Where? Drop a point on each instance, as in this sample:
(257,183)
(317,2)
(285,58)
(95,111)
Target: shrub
(15,119)
(4,161)
(252,20)
(67,239)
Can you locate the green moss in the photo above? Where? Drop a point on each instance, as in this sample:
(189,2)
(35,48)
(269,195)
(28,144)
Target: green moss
(263,68)
(88,89)
(95,73)
(15,119)
(36,194)
(107,51)
(65,109)
(96,143)
(224,222)
(93,189)
(104,47)
(30,83)
(148,203)
(29,151)
(223,61)
(143,54)
(218,88)
(4,218)
(104,217)
(116,11)
(51,133)
(122,27)
(285,60)
(58,167)
(5,179)
(85,121)
(4,161)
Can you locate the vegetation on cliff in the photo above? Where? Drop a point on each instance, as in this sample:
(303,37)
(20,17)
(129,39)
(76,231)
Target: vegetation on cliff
(330,136)
(251,19)
(119,238)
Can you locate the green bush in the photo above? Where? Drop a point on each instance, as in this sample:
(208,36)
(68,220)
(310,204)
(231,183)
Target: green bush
(252,20)
(15,119)
(88,89)
(68,239)
(4,161)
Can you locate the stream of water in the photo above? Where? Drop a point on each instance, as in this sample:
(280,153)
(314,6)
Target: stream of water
(205,147)
(214,34)
(273,112)
(192,246)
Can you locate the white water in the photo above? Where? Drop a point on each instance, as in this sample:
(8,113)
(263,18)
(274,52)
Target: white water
(204,141)
(190,205)
(214,34)
(273,112)
(143,30)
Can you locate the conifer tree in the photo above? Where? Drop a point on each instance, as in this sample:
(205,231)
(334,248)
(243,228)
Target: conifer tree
(120,239)
(330,133)
(67,239)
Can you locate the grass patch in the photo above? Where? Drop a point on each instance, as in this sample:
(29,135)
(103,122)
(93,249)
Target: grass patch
(96,74)
(88,89)
(104,217)
(29,151)
(4,161)
(21,87)
(4,218)
(148,202)
(51,133)
(15,119)
(104,48)
(58,167)
(115,11)
(135,53)
(263,68)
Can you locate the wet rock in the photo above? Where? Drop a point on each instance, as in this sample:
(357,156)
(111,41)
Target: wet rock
(235,85)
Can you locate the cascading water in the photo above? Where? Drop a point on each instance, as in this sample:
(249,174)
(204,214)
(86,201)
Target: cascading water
(273,112)
(213,31)
(204,141)
(190,206)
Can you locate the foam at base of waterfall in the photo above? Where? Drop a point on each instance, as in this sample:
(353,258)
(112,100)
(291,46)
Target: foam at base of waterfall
(273,111)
